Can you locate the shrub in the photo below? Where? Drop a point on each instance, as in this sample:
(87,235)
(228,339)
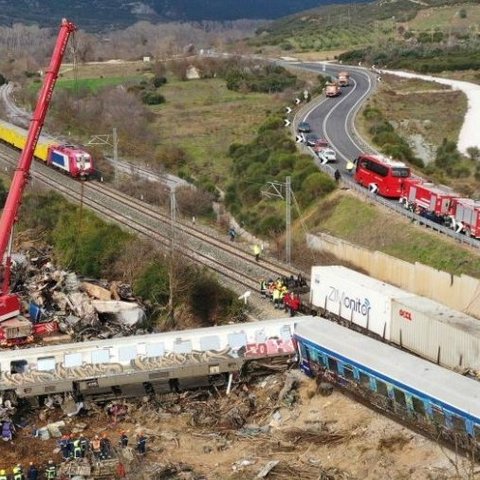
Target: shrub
(159,81)
(152,98)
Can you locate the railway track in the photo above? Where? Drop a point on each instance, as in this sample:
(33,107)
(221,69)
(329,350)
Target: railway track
(232,261)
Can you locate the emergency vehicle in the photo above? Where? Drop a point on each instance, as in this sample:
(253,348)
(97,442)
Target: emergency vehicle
(381,175)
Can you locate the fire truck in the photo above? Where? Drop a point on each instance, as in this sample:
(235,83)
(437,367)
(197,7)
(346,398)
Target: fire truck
(465,216)
(381,175)
(424,197)
(15,329)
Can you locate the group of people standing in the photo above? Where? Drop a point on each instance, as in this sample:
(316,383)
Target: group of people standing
(281,293)
(33,472)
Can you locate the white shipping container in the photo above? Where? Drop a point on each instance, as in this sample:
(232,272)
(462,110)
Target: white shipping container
(436,332)
(355,297)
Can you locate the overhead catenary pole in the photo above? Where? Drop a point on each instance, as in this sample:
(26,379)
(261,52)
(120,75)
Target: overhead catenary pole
(115,145)
(288,219)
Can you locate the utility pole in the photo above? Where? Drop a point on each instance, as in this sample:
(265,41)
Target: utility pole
(115,145)
(275,190)
(173,219)
(288,219)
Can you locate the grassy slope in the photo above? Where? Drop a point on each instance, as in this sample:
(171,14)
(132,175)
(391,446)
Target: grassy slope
(359,25)
(204,118)
(375,228)
(416,106)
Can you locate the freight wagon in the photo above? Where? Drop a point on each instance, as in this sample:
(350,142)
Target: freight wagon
(418,324)
(72,160)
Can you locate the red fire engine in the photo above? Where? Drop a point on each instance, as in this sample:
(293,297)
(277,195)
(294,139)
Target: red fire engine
(18,330)
(465,216)
(427,196)
(381,175)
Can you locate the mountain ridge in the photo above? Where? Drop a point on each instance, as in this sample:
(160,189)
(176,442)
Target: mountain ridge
(110,14)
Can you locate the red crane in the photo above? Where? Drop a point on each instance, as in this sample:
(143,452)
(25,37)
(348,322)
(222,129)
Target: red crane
(9,302)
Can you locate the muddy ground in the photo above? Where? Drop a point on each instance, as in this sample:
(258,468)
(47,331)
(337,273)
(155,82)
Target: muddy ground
(278,426)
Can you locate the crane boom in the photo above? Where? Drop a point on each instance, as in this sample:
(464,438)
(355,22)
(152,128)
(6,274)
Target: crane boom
(9,303)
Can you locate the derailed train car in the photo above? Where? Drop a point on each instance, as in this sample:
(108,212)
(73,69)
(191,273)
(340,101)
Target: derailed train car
(436,400)
(132,366)
(418,324)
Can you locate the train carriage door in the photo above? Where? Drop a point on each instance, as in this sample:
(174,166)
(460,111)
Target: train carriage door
(304,358)
(433,203)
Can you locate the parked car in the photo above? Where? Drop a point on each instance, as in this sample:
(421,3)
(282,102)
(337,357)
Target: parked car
(311,139)
(304,127)
(326,155)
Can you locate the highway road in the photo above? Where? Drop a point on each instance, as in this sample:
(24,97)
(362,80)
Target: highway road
(333,118)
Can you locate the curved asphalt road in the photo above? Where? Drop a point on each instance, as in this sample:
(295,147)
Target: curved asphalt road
(332,119)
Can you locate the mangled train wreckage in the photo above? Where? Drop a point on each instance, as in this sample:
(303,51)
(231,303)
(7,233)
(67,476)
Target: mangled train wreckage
(134,366)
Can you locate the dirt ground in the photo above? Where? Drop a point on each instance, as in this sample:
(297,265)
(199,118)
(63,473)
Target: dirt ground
(209,435)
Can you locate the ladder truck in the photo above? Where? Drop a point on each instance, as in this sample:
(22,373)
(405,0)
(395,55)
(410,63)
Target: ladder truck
(14,329)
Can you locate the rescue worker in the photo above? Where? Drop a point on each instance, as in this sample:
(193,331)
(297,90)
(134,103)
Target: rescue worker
(232,233)
(7,431)
(141,443)
(63,444)
(83,445)
(256,251)
(263,288)
(18,472)
(123,442)
(51,471)
(3,475)
(270,288)
(77,449)
(276,297)
(337,175)
(105,446)
(283,292)
(32,472)
(70,446)
(96,447)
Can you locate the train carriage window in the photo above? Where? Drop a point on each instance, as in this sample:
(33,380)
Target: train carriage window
(72,360)
(182,346)
(46,364)
(332,364)
(260,336)
(155,349)
(210,342)
(237,340)
(364,379)
(285,333)
(438,416)
(400,397)
(127,353)
(101,356)
(458,424)
(348,372)
(18,366)
(382,388)
(418,406)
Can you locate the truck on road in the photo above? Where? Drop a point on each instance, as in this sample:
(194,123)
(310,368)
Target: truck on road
(332,89)
(343,79)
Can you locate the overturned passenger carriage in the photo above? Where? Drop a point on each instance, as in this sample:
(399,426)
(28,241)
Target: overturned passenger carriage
(132,366)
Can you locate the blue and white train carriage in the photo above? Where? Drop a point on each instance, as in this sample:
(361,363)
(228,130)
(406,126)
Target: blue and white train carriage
(435,399)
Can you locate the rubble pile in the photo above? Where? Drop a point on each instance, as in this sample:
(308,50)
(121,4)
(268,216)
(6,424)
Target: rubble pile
(83,309)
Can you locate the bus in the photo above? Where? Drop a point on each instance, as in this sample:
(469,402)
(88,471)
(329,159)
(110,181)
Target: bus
(381,175)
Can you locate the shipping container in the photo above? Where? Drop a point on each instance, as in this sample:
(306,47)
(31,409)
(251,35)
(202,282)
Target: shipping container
(436,332)
(357,298)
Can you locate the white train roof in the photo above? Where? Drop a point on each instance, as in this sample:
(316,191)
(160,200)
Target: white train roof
(270,327)
(427,378)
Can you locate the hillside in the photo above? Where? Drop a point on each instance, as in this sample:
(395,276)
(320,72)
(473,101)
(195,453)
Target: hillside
(367,24)
(111,14)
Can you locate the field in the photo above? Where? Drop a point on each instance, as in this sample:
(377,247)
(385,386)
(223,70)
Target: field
(419,109)
(373,227)
(204,118)
(446,17)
